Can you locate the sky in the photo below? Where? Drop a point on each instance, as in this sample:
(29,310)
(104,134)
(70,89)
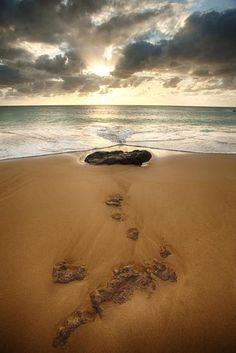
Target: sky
(180,52)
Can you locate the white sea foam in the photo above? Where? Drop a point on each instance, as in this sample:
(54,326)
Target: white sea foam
(30,131)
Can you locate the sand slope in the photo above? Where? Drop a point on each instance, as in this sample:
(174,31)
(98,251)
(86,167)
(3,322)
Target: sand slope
(53,209)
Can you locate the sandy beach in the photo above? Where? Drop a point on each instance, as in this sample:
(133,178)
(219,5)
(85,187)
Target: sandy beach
(53,209)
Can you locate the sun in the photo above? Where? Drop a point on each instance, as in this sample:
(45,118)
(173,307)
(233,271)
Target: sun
(101,70)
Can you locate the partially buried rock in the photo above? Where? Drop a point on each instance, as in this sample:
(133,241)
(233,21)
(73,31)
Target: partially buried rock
(64,272)
(76,319)
(163,272)
(132,233)
(136,157)
(114,200)
(164,252)
(126,279)
(118,217)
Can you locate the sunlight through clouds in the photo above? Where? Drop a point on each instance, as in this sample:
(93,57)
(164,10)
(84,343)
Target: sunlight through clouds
(83,48)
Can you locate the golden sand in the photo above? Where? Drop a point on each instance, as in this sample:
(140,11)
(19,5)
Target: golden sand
(54,209)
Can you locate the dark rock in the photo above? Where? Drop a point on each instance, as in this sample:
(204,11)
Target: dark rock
(121,287)
(163,272)
(114,200)
(136,157)
(75,320)
(65,273)
(164,252)
(100,296)
(132,233)
(118,217)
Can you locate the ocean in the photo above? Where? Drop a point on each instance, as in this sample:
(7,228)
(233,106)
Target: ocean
(40,130)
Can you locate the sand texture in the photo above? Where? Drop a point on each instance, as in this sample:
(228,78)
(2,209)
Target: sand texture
(118,259)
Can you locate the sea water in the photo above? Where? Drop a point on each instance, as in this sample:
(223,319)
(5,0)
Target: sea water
(40,130)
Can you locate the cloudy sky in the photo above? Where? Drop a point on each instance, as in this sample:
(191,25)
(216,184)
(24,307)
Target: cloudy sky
(180,52)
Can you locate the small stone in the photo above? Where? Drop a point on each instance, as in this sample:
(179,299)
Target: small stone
(64,272)
(172,276)
(114,200)
(163,272)
(164,252)
(118,217)
(132,233)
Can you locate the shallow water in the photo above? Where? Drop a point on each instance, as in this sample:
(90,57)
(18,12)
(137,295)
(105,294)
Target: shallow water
(31,131)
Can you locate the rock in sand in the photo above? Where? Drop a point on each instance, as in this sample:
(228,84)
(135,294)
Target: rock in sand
(136,157)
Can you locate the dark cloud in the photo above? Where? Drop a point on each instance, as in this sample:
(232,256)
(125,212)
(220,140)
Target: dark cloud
(86,83)
(201,72)
(90,86)
(19,10)
(9,75)
(172,82)
(139,56)
(7,8)
(55,65)
(48,21)
(72,83)
(69,62)
(207,40)
(132,81)
(31,19)
(214,83)
(122,25)
(32,88)
(14,53)
(84,6)
(82,83)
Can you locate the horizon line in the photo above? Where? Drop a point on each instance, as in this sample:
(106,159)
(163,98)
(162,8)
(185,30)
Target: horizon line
(116,105)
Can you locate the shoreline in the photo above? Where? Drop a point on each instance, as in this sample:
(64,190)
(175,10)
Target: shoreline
(56,209)
(114,146)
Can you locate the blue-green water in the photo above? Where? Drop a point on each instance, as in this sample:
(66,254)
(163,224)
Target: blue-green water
(30,131)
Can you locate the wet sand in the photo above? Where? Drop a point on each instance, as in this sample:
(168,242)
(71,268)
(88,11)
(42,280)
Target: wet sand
(54,209)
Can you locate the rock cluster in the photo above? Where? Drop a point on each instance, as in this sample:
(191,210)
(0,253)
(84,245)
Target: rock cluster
(126,279)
